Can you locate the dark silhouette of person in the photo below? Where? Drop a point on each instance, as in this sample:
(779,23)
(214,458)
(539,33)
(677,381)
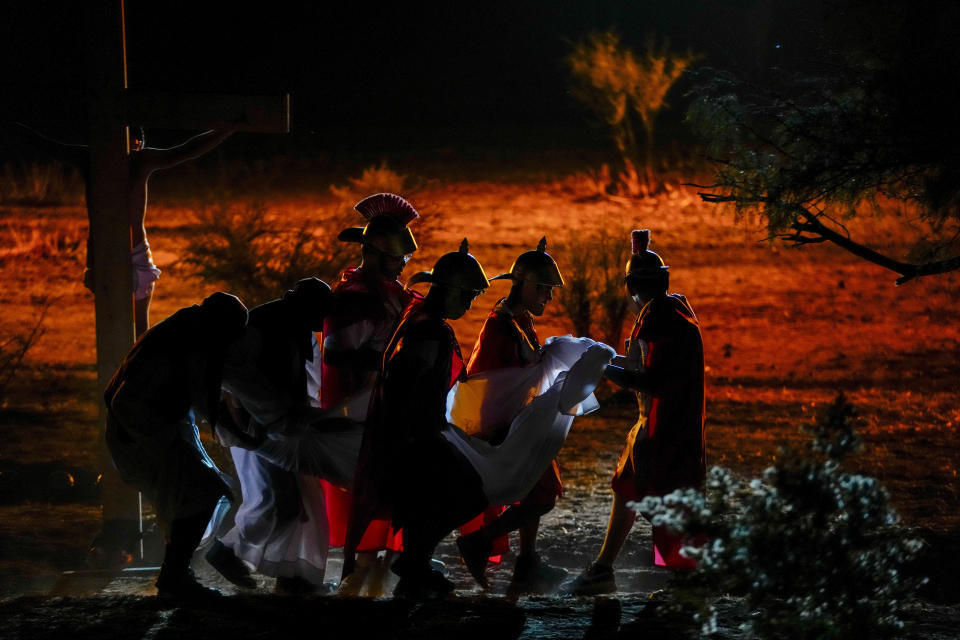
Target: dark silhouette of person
(407,470)
(265,383)
(508,339)
(172,376)
(665,449)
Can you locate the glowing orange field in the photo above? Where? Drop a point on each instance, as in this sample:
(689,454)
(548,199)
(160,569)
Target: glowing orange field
(783,329)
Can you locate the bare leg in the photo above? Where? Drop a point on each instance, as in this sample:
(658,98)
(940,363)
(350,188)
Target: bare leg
(621,521)
(528,536)
(522,517)
(141,313)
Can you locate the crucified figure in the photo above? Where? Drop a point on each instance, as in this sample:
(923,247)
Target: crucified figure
(143,162)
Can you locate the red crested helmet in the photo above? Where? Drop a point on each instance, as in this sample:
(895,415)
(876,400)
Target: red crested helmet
(387,217)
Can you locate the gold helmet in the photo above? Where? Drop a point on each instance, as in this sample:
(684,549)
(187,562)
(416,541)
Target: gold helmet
(534,266)
(644,263)
(386,230)
(455,269)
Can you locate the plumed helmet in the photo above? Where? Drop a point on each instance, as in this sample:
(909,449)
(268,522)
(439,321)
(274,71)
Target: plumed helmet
(643,263)
(225,314)
(534,266)
(455,269)
(387,216)
(312,300)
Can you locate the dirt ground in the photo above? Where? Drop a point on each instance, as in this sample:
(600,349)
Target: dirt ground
(784,330)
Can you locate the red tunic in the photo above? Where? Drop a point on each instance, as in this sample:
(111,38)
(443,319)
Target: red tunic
(366,311)
(407,469)
(508,340)
(665,449)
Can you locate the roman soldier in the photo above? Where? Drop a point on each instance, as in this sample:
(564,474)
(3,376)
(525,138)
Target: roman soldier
(665,449)
(508,339)
(407,470)
(368,302)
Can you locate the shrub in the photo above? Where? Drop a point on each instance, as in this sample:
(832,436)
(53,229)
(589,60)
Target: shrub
(32,241)
(255,256)
(383,179)
(594,294)
(238,246)
(14,349)
(817,552)
(575,298)
(378,179)
(627,91)
(40,184)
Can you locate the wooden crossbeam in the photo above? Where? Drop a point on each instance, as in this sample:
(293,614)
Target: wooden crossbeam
(265,114)
(43,105)
(160,109)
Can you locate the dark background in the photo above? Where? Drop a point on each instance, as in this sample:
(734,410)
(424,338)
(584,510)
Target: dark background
(451,78)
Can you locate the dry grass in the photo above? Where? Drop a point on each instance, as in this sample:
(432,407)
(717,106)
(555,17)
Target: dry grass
(783,329)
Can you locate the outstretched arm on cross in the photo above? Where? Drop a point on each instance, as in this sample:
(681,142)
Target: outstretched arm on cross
(151,159)
(72,154)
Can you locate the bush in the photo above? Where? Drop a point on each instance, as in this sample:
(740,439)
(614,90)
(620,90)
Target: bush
(594,294)
(378,179)
(817,552)
(627,91)
(239,246)
(383,179)
(236,245)
(14,349)
(32,240)
(40,184)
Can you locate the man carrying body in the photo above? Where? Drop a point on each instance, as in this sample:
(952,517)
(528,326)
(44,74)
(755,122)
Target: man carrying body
(172,374)
(407,469)
(281,520)
(508,339)
(368,303)
(665,449)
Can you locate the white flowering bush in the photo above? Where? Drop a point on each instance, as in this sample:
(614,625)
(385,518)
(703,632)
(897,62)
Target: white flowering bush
(816,552)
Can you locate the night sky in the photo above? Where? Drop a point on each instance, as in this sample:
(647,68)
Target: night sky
(440,72)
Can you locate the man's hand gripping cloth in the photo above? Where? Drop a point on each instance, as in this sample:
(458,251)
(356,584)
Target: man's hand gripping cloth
(539,401)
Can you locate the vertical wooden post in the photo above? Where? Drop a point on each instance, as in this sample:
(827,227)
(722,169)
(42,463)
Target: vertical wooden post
(106,81)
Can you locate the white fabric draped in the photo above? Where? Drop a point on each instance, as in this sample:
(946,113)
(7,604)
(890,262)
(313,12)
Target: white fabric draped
(539,401)
(293,547)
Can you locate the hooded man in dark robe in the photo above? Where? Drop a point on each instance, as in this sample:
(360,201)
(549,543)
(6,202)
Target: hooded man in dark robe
(172,376)
(267,394)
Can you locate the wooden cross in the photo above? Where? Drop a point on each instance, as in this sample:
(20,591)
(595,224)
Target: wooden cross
(110,108)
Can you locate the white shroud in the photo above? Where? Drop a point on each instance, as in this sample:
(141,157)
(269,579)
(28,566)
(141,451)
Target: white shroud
(539,401)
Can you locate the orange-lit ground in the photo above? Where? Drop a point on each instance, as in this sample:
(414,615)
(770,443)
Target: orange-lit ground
(783,329)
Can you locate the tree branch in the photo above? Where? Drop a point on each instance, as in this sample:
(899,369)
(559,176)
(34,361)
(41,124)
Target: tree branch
(808,222)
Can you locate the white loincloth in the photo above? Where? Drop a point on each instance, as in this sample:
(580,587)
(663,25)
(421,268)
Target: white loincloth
(145,272)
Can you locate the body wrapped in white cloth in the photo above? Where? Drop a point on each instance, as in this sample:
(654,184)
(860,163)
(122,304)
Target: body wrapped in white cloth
(539,401)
